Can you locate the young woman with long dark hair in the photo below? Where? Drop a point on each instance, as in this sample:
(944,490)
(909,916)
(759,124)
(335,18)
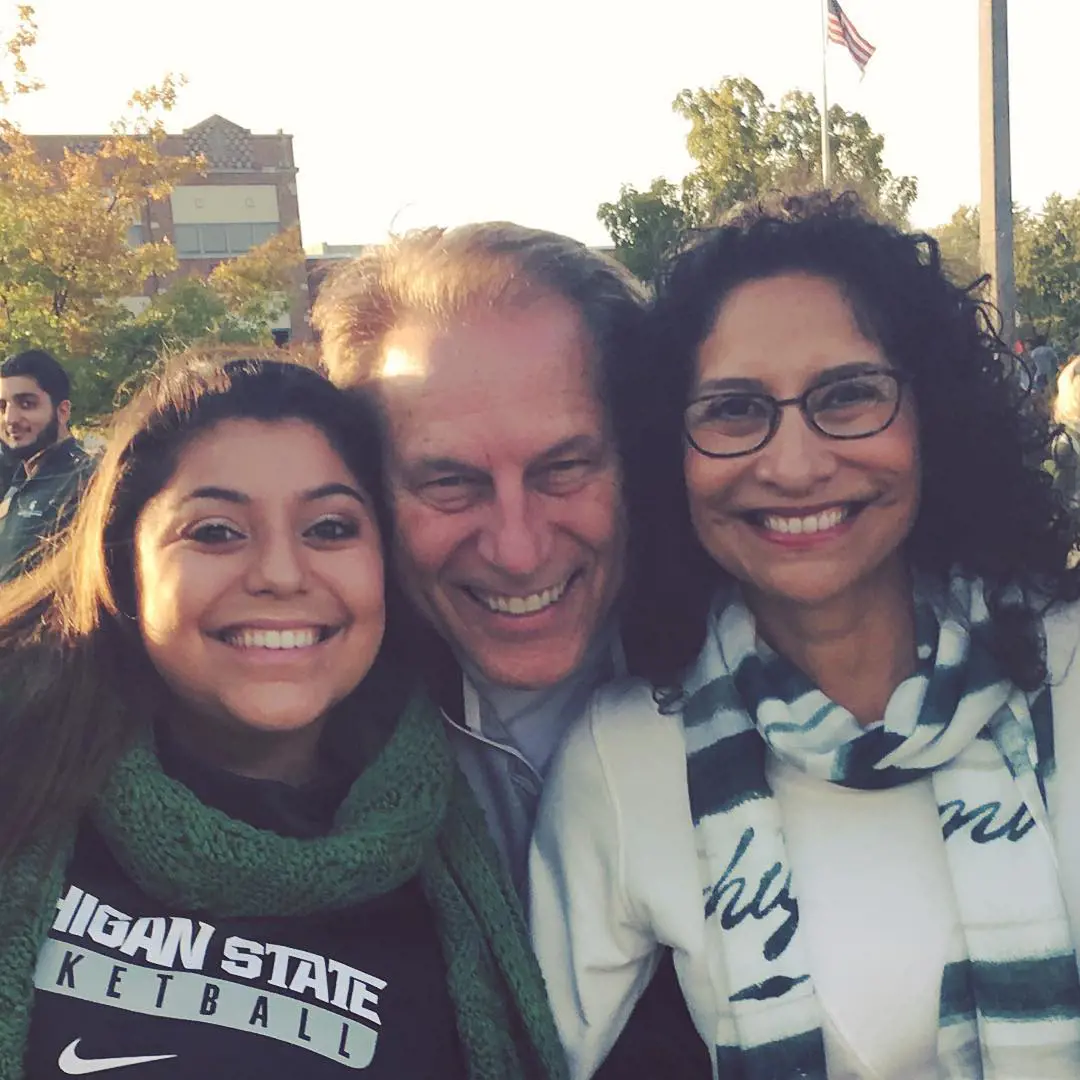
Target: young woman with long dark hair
(233,840)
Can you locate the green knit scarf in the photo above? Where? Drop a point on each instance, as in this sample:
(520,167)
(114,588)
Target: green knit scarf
(410,812)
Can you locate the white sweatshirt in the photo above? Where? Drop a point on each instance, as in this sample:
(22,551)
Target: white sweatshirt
(615,877)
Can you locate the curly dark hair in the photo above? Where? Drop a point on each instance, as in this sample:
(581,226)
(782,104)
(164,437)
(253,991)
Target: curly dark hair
(988,507)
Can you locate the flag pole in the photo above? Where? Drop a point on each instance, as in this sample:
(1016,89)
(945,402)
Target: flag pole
(826,163)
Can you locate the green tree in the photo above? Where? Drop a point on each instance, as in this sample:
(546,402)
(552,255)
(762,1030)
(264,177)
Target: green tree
(646,225)
(728,139)
(1046,248)
(959,240)
(745,147)
(1048,271)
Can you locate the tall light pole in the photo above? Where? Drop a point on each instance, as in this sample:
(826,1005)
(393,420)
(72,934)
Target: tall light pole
(995,213)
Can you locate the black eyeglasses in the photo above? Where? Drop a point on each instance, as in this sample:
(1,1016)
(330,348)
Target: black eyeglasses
(731,423)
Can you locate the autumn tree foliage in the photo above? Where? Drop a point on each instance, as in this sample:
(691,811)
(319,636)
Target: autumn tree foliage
(66,263)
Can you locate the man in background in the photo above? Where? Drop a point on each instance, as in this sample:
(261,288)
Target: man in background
(49,468)
(1040,359)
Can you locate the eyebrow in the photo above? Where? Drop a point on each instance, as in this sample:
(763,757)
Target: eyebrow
(438,465)
(841,371)
(238,498)
(324,491)
(424,470)
(219,493)
(575,444)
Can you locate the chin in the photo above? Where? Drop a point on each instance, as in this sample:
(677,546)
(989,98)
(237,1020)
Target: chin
(277,725)
(535,670)
(277,717)
(806,590)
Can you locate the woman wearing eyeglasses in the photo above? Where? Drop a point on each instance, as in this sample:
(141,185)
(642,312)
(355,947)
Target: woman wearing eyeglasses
(852,808)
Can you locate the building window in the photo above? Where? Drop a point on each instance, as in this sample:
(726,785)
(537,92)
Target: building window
(213,239)
(217,241)
(239,237)
(186,240)
(261,232)
(135,236)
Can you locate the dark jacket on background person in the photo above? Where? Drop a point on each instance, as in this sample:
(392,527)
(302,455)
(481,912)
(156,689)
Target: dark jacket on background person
(8,465)
(34,507)
(1044,361)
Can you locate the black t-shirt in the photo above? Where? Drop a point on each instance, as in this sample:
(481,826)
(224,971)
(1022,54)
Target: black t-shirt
(129,982)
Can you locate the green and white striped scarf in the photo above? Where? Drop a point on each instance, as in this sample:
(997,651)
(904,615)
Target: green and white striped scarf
(1010,994)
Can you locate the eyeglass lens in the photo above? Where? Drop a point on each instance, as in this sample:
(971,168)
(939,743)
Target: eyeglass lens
(738,422)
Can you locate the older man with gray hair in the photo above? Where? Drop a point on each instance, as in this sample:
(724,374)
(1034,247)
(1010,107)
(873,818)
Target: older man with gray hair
(499,357)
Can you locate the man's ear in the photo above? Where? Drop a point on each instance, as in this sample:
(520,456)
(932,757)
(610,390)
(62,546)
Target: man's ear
(63,412)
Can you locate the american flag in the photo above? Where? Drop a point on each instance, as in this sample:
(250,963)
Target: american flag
(843,32)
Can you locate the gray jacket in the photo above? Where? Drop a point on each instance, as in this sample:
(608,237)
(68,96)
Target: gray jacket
(505,740)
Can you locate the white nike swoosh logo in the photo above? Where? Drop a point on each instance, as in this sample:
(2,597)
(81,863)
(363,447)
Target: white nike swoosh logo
(73,1065)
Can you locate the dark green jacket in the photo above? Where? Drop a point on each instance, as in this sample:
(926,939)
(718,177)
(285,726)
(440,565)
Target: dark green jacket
(35,507)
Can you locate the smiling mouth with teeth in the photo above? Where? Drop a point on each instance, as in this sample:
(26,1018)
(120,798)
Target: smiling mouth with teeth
(807,524)
(523,605)
(299,637)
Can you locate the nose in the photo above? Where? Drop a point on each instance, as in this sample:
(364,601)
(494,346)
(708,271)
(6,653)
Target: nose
(797,459)
(516,539)
(278,566)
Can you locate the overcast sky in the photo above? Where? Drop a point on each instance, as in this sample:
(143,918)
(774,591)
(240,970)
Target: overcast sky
(416,112)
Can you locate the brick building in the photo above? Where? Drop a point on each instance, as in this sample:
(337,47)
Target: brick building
(246,196)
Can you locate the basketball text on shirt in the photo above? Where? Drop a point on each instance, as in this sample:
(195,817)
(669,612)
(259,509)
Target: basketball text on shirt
(299,997)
